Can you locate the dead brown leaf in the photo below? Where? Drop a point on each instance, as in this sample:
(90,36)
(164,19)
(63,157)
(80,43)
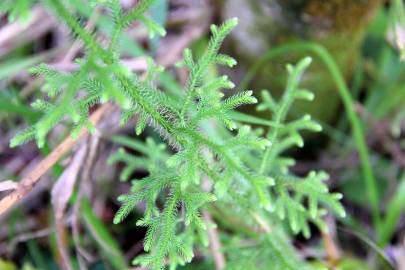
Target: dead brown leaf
(60,196)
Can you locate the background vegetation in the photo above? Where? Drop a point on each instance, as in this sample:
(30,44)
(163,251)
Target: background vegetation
(184,168)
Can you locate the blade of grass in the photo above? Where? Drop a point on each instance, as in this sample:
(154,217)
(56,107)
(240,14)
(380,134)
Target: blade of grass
(394,210)
(12,67)
(8,105)
(106,242)
(36,254)
(371,245)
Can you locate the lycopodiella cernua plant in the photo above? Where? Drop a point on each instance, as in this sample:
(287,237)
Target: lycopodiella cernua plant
(207,157)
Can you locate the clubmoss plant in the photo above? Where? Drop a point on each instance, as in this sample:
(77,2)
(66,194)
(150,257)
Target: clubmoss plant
(205,159)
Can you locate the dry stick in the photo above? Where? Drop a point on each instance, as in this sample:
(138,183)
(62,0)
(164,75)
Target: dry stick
(331,249)
(28,183)
(330,243)
(29,236)
(61,192)
(213,235)
(261,222)
(93,142)
(215,244)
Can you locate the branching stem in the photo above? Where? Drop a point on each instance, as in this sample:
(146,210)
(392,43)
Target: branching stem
(344,92)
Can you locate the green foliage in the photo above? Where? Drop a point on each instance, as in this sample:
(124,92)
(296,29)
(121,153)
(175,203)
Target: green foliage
(231,162)
(17,8)
(274,250)
(247,170)
(101,235)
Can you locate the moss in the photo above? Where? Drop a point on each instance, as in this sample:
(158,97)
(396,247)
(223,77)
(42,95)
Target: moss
(346,15)
(339,25)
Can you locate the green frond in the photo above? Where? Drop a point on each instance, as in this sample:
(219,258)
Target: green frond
(42,105)
(195,200)
(129,203)
(239,99)
(222,108)
(268,102)
(23,137)
(246,138)
(198,69)
(78,29)
(225,60)
(304,95)
(141,123)
(43,69)
(188,58)
(151,234)
(116,10)
(221,82)
(136,12)
(153,71)
(110,90)
(127,115)
(153,27)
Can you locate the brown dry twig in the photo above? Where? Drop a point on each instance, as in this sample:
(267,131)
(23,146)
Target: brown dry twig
(331,245)
(93,143)
(27,184)
(60,196)
(214,243)
(28,236)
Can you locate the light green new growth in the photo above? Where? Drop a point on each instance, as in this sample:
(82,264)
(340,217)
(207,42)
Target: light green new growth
(243,171)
